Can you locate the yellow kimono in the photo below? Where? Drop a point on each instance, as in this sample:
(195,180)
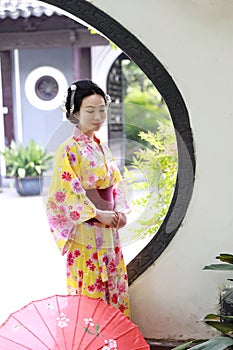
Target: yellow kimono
(95,264)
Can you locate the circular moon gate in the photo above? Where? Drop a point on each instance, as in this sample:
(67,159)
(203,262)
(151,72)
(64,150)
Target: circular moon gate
(163,82)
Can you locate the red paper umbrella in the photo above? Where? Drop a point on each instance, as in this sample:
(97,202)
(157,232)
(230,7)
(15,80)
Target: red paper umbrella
(70,322)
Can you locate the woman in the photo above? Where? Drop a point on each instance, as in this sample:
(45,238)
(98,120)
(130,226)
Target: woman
(85,203)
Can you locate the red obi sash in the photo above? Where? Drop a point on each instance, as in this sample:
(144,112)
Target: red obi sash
(101,198)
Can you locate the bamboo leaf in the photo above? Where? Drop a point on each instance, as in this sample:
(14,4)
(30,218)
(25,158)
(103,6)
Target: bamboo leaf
(225,257)
(220,267)
(186,345)
(224,327)
(227,318)
(211,317)
(219,343)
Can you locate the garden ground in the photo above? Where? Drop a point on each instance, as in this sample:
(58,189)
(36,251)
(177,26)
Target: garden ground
(31,266)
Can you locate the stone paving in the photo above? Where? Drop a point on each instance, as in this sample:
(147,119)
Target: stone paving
(31,266)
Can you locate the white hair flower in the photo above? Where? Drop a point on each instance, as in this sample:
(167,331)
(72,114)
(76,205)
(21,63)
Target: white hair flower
(73,87)
(63,105)
(108,98)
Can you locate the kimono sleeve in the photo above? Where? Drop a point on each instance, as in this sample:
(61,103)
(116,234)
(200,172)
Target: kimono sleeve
(121,197)
(67,203)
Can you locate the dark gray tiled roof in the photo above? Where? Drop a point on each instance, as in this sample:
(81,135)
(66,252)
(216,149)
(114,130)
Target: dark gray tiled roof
(23,8)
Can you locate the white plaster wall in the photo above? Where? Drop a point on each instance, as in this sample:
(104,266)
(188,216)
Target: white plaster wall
(193,40)
(101,62)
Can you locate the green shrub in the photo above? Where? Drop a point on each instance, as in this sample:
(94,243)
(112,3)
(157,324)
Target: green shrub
(159,161)
(21,161)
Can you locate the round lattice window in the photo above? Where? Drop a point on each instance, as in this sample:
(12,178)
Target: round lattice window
(45,87)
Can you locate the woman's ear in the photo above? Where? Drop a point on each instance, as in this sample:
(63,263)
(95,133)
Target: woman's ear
(76,115)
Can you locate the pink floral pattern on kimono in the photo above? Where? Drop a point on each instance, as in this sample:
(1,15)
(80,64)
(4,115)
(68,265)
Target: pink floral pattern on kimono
(95,264)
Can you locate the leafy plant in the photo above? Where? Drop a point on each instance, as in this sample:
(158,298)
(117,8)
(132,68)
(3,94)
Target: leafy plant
(143,106)
(227,265)
(21,161)
(218,343)
(222,323)
(159,162)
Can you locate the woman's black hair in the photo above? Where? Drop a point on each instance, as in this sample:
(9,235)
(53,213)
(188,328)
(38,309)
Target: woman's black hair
(76,93)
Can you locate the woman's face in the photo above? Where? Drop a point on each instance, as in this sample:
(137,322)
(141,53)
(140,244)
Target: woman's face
(92,114)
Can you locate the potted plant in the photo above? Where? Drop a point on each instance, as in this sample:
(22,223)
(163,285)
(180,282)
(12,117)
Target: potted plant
(26,165)
(222,322)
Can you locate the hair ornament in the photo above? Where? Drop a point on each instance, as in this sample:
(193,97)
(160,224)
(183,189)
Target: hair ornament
(108,98)
(63,106)
(73,89)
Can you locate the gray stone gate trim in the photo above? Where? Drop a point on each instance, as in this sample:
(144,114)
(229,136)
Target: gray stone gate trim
(155,71)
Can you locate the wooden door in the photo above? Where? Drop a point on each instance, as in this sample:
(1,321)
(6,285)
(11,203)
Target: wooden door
(7,96)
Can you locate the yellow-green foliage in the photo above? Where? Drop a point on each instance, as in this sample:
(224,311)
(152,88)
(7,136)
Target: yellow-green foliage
(159,161)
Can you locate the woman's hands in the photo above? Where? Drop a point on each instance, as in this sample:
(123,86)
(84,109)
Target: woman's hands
(122,219)
(111,218)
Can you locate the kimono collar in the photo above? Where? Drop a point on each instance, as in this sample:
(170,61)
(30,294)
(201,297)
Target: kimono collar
(79,135)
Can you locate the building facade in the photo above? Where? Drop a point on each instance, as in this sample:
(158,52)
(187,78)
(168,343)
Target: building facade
(41,53)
